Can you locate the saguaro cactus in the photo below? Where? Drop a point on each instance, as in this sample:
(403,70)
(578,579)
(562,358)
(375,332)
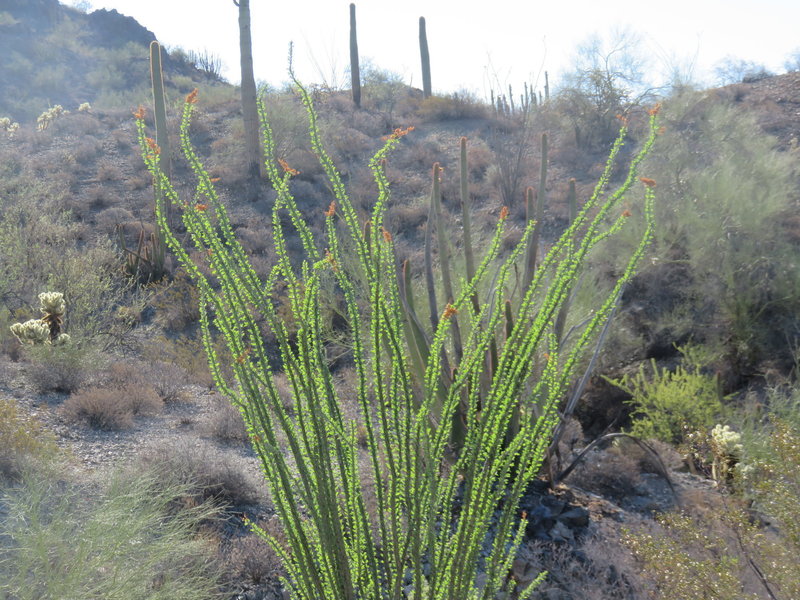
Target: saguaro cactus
(355,72)
(160,107)
(426,59)
(248,87)
(160,114)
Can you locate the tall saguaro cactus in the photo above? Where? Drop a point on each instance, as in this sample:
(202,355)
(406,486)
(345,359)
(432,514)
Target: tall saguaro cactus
(248,87)
(426,59)
(164,155)
(160,107)
(355,72)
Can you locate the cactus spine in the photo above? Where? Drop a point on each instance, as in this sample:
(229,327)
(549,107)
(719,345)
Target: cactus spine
(426,59)
(355,72)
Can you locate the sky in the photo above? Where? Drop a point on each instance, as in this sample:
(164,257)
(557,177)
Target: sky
(474,46)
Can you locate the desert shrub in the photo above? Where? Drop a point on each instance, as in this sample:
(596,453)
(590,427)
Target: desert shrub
(724,232)
(206,472)
(176,303)
(111,407)
(738,549)
(226,424)
(167,380)
(22,440)
(60,369)
(252,560)
(45,251)
(669,404)
(185,352)
(125,541)
(458,105)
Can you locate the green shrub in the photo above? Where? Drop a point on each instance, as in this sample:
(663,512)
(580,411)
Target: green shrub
(669,404)
(724,256)
(716,549)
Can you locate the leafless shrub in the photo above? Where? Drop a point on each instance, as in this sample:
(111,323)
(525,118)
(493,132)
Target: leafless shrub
(111,407)
(252,559)
(167,379)
(60,369)
(211,474)
(109,218)
(108,172)
(226,424)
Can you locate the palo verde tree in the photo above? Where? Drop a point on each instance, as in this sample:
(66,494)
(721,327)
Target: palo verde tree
(408,517)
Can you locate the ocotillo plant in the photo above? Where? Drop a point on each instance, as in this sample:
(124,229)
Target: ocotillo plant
(355,72)
(435,532)
(425,57)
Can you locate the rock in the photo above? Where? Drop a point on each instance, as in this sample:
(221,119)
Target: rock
(575,517)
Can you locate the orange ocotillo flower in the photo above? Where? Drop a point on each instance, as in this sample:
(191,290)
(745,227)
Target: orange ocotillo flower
(191,97)
(654,111)
(648,182)
(139,113)
(151,143)
(331,209)
(285,166)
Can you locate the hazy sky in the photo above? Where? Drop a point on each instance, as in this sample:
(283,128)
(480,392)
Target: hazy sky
(473,45)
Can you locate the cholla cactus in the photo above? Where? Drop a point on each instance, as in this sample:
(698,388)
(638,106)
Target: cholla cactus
(85,107)
(33,332)
(726,445)
(52,303)
(48,328)
(8,126)
(50,115)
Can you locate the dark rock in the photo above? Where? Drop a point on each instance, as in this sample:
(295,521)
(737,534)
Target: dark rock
(575,517)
